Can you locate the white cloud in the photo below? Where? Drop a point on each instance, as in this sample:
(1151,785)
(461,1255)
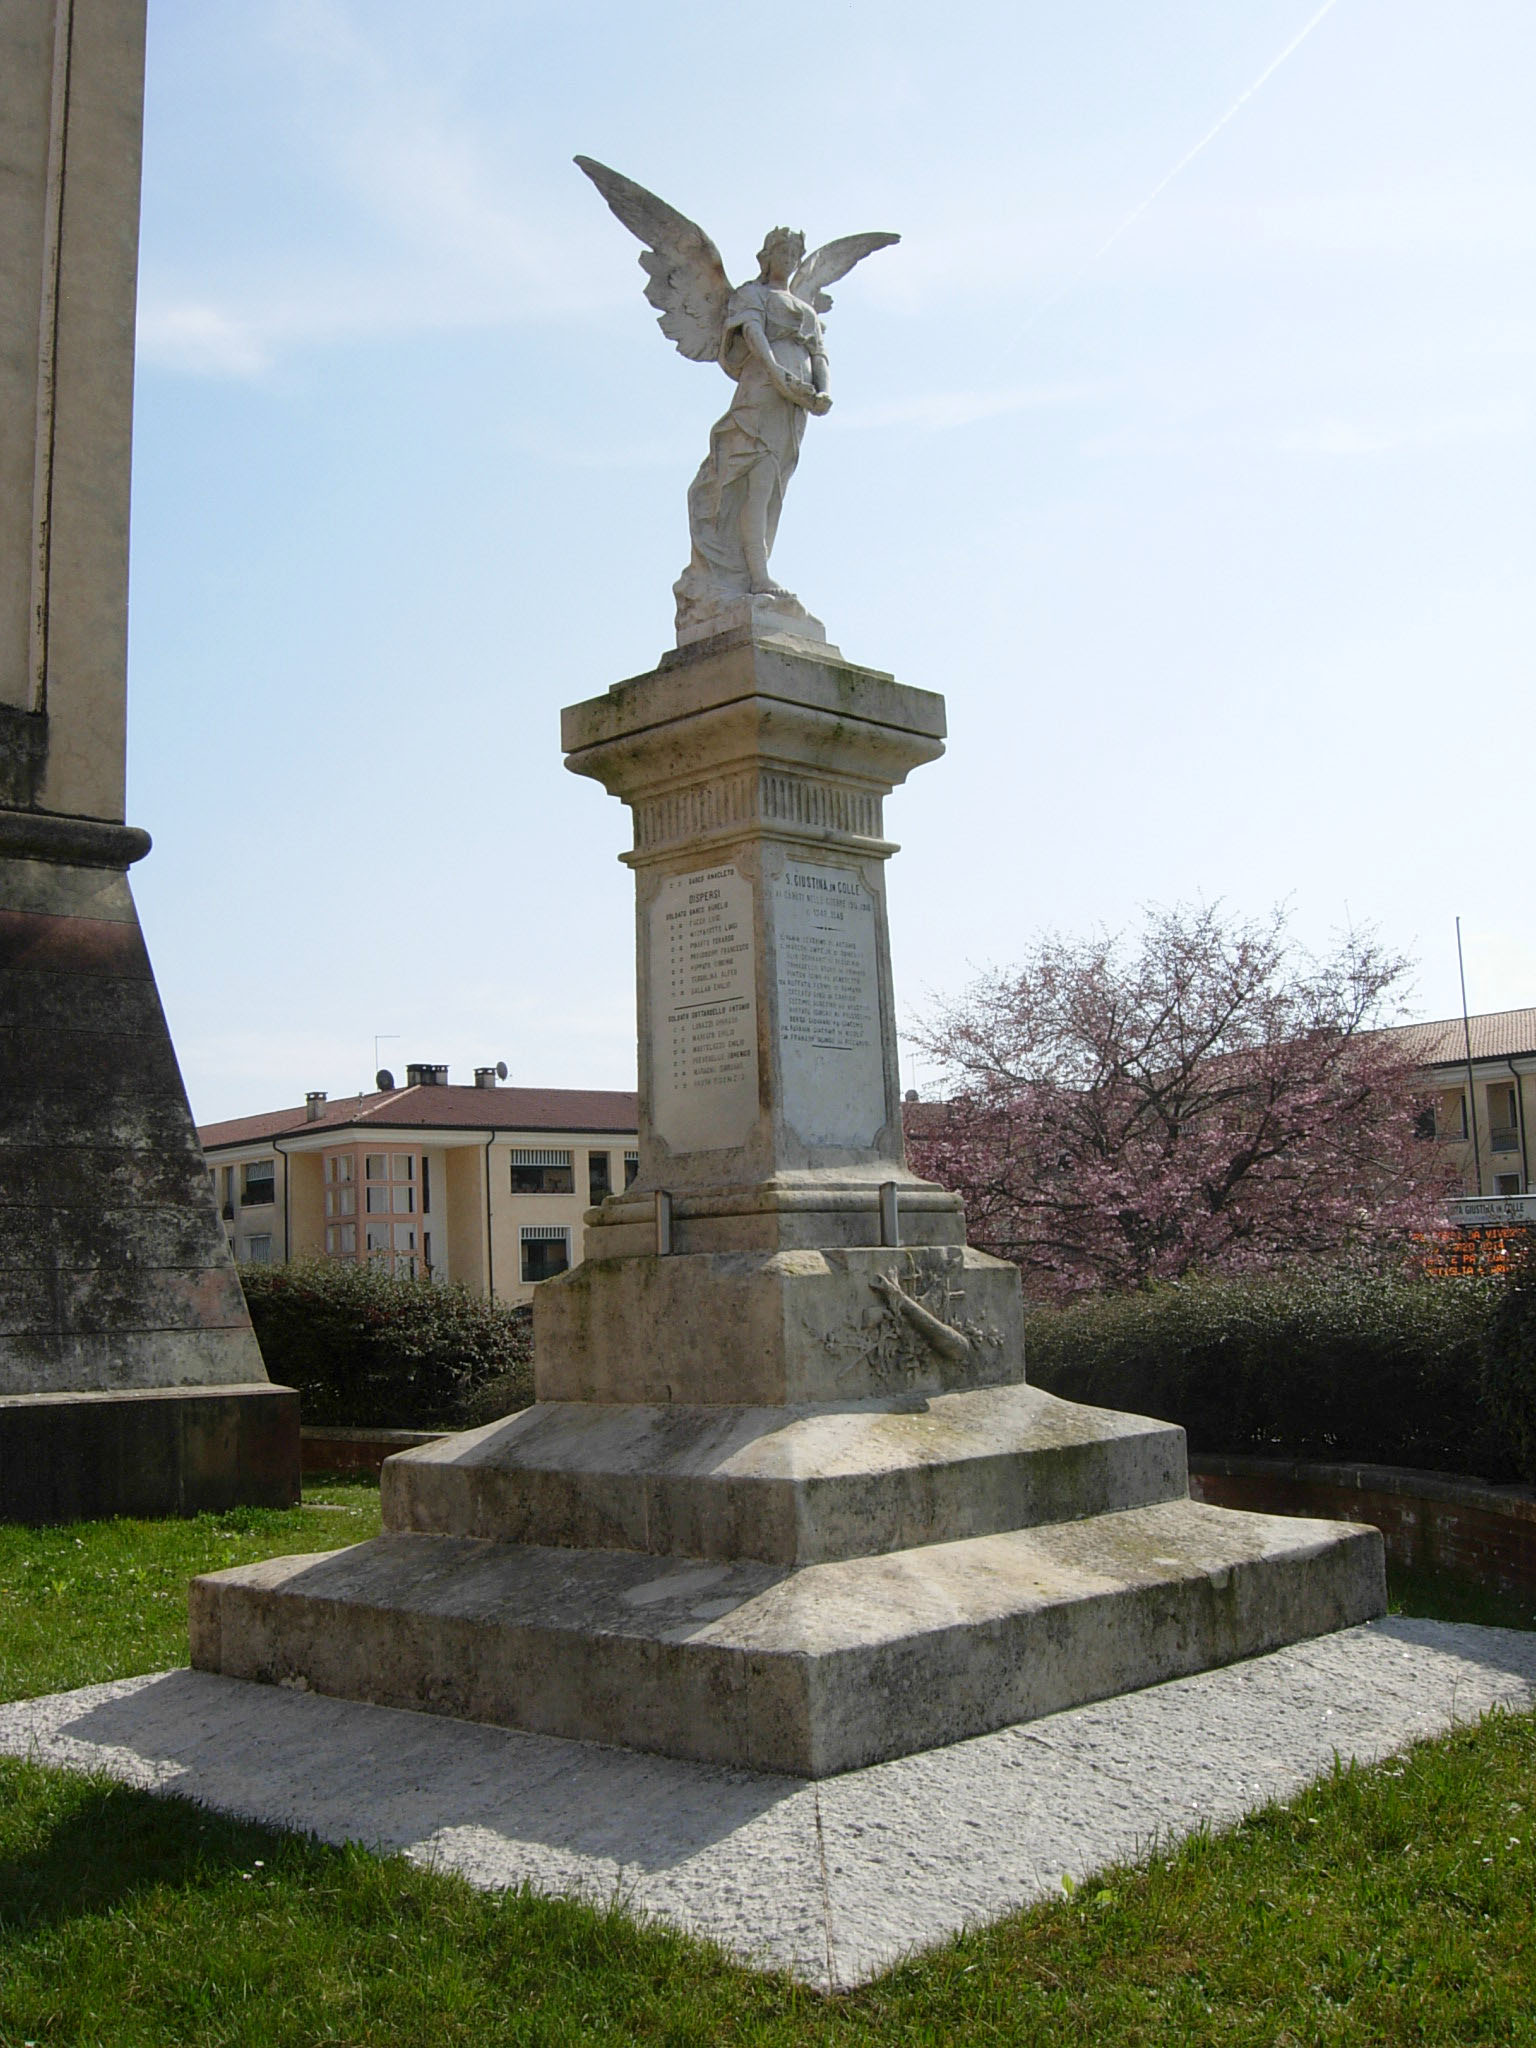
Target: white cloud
(419,219)
(1403,431)
(1416,432)
(938,410)
(186,335)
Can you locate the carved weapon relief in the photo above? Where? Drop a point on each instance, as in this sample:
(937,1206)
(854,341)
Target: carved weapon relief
(919,1322)
(946,1340)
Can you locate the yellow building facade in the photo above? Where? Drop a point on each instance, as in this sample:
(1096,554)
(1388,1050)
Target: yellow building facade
(1480,1077)
(483,1185)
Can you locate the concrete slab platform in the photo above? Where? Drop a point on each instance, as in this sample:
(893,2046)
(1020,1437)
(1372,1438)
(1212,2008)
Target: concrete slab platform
(833,1881)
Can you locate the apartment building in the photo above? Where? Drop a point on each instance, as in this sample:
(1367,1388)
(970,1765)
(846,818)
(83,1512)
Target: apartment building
(485,1184)
(1481,1078)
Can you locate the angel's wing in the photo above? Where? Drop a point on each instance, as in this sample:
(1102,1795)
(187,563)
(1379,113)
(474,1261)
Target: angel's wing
(831,261)
(688,287)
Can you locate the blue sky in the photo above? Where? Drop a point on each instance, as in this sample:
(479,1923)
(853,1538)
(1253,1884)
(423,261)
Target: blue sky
(1217,540)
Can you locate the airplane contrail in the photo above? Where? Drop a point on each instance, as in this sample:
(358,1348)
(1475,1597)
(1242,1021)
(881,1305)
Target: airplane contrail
(1183,164)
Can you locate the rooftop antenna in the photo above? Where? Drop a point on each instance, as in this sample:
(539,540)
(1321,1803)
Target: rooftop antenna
(378,1072)
(1466,1038)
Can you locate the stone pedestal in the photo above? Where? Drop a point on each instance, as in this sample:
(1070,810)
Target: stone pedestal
(770,1103)
(119,1306)
(785,1500)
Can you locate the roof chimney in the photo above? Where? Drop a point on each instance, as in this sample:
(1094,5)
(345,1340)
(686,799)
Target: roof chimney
(485,1077)
(314,1105)
(424,1074)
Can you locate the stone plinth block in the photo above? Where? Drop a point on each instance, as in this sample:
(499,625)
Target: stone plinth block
(766,1328)
(810,1671)
(154,1451)
(784,1485)
(792,1212)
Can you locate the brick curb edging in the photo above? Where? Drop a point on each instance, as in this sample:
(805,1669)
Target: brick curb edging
(358,1450)
(1431,1521)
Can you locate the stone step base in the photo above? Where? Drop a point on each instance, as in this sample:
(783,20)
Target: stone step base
(812,1670)
(784,1485)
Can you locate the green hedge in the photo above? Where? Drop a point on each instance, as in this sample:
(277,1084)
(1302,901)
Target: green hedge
(1437,1374)
(368,1351)
(1386,1371)
(1509,1370)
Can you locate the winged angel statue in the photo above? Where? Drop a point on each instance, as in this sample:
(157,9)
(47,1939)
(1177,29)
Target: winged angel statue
(767,338)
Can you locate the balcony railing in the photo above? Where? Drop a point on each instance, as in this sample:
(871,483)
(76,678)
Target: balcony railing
(1504,1138)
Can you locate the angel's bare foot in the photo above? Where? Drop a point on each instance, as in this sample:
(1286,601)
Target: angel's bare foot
(767,588)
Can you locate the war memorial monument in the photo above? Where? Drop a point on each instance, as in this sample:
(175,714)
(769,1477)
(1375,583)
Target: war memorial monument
(130,1381)
(786,1500)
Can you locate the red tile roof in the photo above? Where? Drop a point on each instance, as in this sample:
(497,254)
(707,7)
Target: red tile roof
(1497,1035)
(245,1130)
(613,1111)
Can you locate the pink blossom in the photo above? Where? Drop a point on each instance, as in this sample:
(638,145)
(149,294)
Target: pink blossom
(1210,1099)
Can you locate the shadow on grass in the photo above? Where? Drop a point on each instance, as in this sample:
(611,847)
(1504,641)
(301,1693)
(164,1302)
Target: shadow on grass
(188,1927)
(88,1846)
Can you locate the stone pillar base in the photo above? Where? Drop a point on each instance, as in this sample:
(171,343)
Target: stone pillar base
(768,1329)
(153,1451)
(131,1382)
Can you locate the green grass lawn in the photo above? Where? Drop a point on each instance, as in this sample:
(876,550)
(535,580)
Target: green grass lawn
(1395,1904)
(100,1600)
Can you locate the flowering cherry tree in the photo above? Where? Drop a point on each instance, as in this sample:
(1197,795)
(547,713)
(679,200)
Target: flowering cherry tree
(1205,1097)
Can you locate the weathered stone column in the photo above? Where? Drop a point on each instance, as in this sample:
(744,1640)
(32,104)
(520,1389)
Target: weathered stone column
(130,1381)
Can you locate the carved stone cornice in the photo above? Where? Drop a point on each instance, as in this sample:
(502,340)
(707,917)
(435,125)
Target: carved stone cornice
(755,739)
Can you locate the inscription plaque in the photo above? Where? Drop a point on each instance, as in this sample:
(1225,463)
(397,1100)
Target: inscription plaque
(830,1053)
(703,1011)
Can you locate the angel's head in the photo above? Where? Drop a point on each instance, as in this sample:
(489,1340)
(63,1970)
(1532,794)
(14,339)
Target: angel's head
(780,256)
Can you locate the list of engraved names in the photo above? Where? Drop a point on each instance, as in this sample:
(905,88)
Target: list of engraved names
(703,1010)
(830,1053)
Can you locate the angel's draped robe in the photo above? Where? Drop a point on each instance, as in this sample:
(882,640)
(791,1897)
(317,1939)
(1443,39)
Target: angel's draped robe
(759,427)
